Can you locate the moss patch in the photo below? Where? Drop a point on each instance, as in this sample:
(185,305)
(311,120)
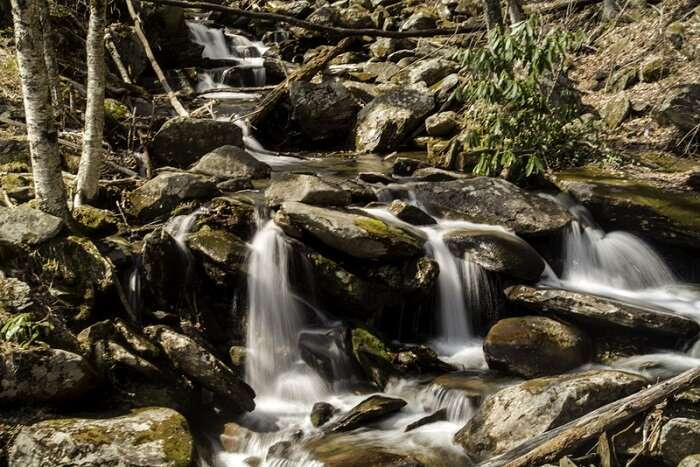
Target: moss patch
(381,229)
(174,433)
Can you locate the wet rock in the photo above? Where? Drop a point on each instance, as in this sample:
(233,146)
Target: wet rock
(235,184)
(680,437)
(434,174)
(370,410)
(324,111)
(681,107)
(441,124)
(616,111)
(25,226)
(533,346)
(157,437)
(598,311)
(431,71)
(163,265)
(160,195)
(421,19)
(497,251)
(664,215)
(521,412)
(181,141)
(494,201)
(307,189)
(321,413)
(404,166)
(385,123)
(220,251)
(346,450)
(232,214)
(410,213)
(437,416)
(231,162)
(201,366)
(353,234)
(43,375)
(375,177)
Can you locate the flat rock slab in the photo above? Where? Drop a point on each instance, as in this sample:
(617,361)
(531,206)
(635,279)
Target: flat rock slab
(231,162)
(368,411)
(25,226)
(591,309)
(307,189)
(156,437)
(493,201)
(163,193)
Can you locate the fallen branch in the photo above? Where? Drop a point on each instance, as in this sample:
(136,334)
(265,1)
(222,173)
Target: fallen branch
(560,441)
(250,89)
(138,26)
(117,59)
(304,73)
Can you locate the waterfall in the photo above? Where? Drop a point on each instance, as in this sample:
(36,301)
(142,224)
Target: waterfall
(275,319)
(244,54)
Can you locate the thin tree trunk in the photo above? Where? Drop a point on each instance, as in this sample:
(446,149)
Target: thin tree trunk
(91,159)
(515,11)
(50,55)
(41,127)
(117,59)
(493,14)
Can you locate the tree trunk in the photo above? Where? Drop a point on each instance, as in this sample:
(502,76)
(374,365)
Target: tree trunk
(493,14)
(50,56)
(91,159)
(41,128)
(515,11)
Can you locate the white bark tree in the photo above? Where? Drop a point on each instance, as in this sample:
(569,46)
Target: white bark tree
(91,160)
(515,11)
(41,128)
(50,55)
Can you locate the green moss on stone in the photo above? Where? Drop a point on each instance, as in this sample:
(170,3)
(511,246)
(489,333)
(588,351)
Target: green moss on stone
(381,229)
(175,435)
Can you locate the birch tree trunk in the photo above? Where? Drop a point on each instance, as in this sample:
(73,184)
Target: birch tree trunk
(41,127)
(493,14)
(50,56)
(515,11)
(91,160)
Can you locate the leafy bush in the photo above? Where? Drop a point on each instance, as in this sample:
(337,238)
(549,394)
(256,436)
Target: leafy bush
(22,329)
(516,108)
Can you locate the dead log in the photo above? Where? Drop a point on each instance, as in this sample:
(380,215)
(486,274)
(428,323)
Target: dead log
(138,26)
(560,441)
(304,73)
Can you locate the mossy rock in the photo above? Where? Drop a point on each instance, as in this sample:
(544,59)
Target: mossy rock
(116,112)
(653,69)
(98,222)
(14,154)
(157,437)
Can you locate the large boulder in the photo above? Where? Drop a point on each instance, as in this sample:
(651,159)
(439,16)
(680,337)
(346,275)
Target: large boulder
(410,213)
(160,195)
(497,251)
(388,120)
(231,162)
(533,346)
(25,226)
(661,214)
(518,413)
(181,141)
(371,410)
(222,254)
(156,437)
(200,365)
(308,189)
(43,375)
(680,437)
(681,107)
(431,71)
(486,200)
(354,234)
(601,312)
(324,111)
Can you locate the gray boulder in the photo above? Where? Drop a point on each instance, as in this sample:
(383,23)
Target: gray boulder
(200,365)
(156,437)
(43,375)
(160,195)
(25,226)
(591,309)
(486,200)
(385,123)
(497,251)
(231,162)
(371,410)
(680,437)
(431,71)
(441,124)
(354,234)
(307,189)
(410,213)
(183,140)
(518,413)
(690,461)
(533,346)
(681,107)
(421,19)
(324,111)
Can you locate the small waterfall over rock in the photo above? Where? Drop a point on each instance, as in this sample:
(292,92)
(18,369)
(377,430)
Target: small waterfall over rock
(246,57)
(275,319)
